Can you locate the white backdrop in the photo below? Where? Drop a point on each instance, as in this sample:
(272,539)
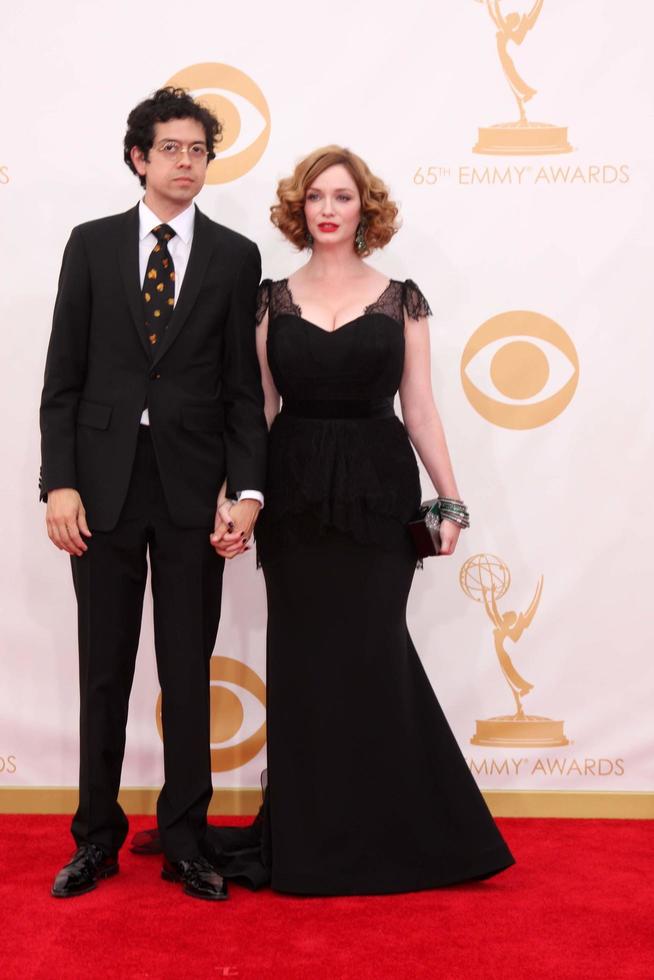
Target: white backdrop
(567,236)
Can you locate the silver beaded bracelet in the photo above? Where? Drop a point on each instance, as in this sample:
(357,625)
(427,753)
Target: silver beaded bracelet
(453,510)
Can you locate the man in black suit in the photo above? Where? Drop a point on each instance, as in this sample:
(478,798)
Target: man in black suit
(152,426)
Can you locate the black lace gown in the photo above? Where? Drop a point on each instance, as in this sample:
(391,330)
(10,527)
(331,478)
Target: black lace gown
(367,789)
(368,792)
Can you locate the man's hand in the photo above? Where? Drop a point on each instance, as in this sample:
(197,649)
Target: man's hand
(65,518)
(233,526)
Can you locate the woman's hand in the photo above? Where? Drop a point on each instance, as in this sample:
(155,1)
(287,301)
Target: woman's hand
(449,532)
(225,540)
(233,526)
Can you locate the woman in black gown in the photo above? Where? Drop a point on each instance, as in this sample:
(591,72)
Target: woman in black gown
(368,791)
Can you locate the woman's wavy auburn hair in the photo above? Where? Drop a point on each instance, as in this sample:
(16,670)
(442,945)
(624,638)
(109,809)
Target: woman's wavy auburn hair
(378,212)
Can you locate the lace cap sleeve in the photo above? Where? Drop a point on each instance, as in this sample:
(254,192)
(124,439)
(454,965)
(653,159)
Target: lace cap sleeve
(415,303)
(263,300)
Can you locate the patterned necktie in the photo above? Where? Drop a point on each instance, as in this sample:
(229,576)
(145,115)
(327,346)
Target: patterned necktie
(159,286)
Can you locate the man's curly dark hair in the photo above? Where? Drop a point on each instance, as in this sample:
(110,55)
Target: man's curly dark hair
(164,104)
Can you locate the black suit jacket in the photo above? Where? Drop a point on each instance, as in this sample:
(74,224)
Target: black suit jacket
(203,386)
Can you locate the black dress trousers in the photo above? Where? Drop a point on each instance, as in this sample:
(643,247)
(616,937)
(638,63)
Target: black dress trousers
(110,583)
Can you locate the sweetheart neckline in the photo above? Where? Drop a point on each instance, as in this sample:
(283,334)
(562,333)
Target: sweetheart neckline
(347,322)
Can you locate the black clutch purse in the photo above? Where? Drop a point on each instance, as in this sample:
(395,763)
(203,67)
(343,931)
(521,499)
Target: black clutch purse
(425,529)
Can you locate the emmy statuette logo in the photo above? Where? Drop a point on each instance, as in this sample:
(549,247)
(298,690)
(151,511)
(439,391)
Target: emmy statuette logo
(228,713)
(241,107)
(486,579)
(520,137)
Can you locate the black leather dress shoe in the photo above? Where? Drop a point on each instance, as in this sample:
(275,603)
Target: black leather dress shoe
(198,877)
(87,866)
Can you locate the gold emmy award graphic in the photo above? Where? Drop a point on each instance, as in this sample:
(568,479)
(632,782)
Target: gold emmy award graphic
(521,137)
(486,578)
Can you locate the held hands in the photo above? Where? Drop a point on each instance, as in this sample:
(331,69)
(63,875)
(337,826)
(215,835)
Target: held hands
(449,534)
(66,521)
(233,526)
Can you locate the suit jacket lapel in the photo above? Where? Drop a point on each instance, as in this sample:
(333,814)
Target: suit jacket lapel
(128,259)
(193,277)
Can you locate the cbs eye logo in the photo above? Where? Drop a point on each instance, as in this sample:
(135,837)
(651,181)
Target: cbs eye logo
(531,364)
(238,705)
(239,104)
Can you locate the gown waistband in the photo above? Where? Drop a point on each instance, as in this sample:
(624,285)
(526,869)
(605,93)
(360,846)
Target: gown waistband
(356,408)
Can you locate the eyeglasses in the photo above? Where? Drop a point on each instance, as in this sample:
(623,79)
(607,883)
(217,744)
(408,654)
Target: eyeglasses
(173,150)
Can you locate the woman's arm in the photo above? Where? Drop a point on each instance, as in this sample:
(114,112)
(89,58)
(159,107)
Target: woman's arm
(423,422)
(270,393)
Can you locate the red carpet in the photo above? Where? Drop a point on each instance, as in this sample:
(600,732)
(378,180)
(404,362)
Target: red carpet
(579,903)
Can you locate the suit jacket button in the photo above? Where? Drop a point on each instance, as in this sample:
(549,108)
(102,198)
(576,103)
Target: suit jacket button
(155,376)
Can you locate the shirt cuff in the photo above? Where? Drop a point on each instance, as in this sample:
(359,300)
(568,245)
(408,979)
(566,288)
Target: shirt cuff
(250,495)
